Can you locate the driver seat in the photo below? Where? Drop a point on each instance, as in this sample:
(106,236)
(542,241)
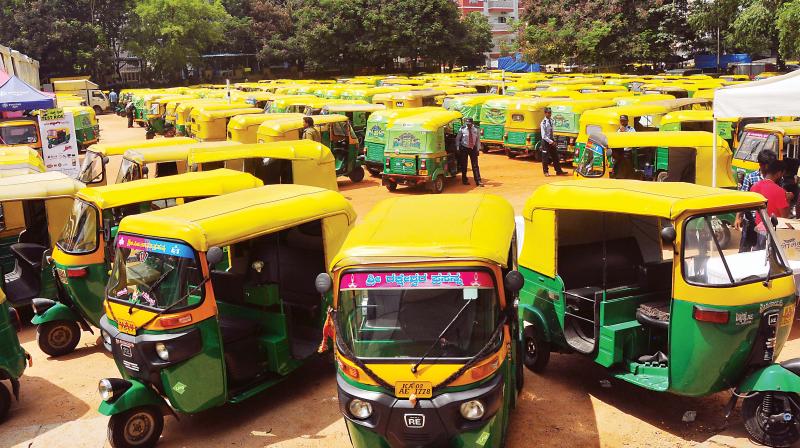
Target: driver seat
(24,282)
(240,349)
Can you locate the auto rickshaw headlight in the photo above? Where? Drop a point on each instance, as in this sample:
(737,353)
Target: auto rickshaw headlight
(472,410)
(360,409)
(161,351)
(106,389)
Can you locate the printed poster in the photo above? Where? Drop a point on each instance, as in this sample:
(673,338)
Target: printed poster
(59,142)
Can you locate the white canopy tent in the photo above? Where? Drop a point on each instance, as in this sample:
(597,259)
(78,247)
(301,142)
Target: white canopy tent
(771,97)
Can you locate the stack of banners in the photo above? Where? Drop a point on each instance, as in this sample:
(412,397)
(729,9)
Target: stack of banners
(59,142)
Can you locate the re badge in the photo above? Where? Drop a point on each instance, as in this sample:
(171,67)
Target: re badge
(414,420)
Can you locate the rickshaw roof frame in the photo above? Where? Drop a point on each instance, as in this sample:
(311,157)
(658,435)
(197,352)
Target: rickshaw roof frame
(781,127)
(426,121)
(208,115)
(244,121)
(279,127)
(257,211)
(38,186)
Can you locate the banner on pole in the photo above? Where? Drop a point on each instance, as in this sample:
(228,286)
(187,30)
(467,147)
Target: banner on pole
(59,142)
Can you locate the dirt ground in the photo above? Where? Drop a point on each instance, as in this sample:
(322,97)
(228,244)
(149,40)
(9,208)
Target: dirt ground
(568,406)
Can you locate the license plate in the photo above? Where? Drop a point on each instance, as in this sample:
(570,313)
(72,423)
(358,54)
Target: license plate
(126,327)
(421,389)
(787,315)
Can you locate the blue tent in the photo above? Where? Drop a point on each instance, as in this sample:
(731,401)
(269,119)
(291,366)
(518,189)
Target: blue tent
(709,61)
(516,64)
(17,95)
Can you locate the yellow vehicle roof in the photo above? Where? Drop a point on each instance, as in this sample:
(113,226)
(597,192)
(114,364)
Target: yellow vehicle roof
(426,121)
(117,149)
(279,127)
(681,102)
(704,93)
(698,139)
(202,114)
(472,99)
(680,116)
(246,120)
(412,94)
(610,115)
(286,150)
(38,186)
(779,127)
(221,221)
(663,199)
(579,106)
(15,158)
(287,100)
(197,101)
(171,153)
(456,227)
(16,122)
(641,99)
(353,106)
(205,183)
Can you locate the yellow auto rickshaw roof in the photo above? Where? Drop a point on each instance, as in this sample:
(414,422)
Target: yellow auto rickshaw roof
(117,149)
(239,216)
(704,93)
(697,139)
(680,116)
(611,114)
(413,94)
(388,115)
(642,99)
(456,227)
(201,114)
(38,186)
(351,106)
(779,127)
(10,156)
(172,153)
(17,122)
(205,183)
(284,150)
(281,126)
(682,102)
(426,121)
(663,199)
(580,106)
(246,120)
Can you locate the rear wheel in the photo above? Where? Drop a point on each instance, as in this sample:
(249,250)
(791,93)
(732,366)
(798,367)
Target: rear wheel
(391,186)
(58,338)
(438,184)
(98,110)
(136,428)
(537,351)
(150,135)
(771,419)
(374,172)
(357,175)
(661,176)
(5,402)
(140,123)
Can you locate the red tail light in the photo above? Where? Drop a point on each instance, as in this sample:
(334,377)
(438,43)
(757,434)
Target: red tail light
(481,131)
(423,165)
(175,321)
(387,162)
(710,315)
(77,272)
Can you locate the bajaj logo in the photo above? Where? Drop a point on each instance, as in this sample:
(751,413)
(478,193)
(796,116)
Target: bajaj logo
(414,420)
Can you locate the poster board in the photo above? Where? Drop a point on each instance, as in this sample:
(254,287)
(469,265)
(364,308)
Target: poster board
(59,141)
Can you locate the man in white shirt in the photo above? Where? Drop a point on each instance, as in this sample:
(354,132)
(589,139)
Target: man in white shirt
(469,140)
(549,151)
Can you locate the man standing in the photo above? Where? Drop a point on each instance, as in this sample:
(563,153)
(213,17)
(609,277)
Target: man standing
(309,131)
(468,143)
(549,151)
(113,98)
(623,124)
(129,108)
(777,203)
(746,221)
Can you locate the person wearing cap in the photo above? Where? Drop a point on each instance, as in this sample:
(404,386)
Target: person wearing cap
(469,141)
(549,151)
(623,124)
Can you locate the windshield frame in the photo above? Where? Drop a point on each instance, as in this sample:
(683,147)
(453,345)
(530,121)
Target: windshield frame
(751,156)
(413,359)
(125,166)
(201,292)
(89,158)
(98,222)
(17,126)
(781,256)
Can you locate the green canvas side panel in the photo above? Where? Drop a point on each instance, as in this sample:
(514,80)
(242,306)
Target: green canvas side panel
(662,159)
(492,132)
(374,152)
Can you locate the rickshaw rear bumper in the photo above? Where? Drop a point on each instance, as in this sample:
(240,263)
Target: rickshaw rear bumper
(431,423)
(404,179)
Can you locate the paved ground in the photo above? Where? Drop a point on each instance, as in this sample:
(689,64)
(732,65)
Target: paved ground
(565,407)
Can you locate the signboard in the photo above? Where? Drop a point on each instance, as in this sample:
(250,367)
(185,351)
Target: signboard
(427,280)
(59,142)
(155,246)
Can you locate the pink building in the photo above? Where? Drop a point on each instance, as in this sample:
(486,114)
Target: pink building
(500,14)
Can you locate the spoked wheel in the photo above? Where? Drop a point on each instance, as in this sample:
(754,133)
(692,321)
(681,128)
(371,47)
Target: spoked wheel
(136,428)
(357,175)
(771,419)
(537,351)
(58,338)
(5,402)
(722,231)
(438,184)
(662,176)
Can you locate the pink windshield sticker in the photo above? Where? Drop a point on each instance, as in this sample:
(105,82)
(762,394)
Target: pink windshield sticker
(429,279)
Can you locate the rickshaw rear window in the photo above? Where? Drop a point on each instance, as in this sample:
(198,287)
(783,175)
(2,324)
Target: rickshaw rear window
(391,315)
(155,274)
(517,117)
(753,143)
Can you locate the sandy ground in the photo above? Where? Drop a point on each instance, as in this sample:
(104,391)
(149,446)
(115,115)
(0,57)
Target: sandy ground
(565,407)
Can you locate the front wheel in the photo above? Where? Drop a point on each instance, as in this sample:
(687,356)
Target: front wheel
(391,186)
(438,184)
(537,351)
(770,419)
(136,428)
(357,175)
(5,402)
(58,338)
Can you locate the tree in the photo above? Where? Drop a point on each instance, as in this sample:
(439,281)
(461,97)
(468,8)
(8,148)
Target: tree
(477,39)
(788,31)
(169,34)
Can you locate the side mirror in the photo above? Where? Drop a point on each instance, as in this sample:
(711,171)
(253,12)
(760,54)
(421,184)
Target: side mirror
(774,220)
(108,223)
(513,282)
(323,283)
(214,255)
(668,235)
(145,170)
(105,160)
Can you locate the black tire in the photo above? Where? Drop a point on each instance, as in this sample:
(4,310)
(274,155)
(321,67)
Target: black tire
(537,352)
(662,176)
(5,402)
(136,428)
(59,337)
(357,175)
(724,235)
(140,123)
(97,110)
(150,135)
(781,434)
(374,172)
(438,184)
(511,155)
(391,186)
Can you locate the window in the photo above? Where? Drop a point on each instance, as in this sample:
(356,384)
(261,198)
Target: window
(501,19)
(517,117)
(80,234)
(18,135)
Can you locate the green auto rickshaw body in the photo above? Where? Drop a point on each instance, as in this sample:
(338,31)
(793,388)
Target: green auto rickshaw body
(375,134)
(13,358)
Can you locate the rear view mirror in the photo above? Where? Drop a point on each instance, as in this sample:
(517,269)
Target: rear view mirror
(774,220)
(145,171)
(105,160)
(668,235)
(214,255)
(323,283)
(513,282)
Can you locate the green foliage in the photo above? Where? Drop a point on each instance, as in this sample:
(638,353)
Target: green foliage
(477,39)
(788,29)
(754,28)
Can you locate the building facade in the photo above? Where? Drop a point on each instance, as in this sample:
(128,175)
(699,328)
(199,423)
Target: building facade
(500,14)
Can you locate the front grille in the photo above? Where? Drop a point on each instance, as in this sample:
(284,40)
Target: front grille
(417,437)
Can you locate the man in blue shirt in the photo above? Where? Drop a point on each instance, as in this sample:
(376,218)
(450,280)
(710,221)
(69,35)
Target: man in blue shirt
(113,98)
(549,150)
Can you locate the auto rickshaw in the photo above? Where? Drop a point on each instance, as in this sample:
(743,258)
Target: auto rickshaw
(20,132)
(34,208)
(157,123)
(301,162)
(244,128)
(636,279)
(87,130)
(13,358)
(421,150)
(731,129)
(17,160)
(469,106)
(425,325)
(663,156)
(93,168)
(645,117)
(84,252)
(413,98)
(523,135)
(201,312)
(375,136)
(212,125)
(57,136)
(184,109)
(281,103)
(357,113)
(780,137)
(492,122)
(165,160)
(336,133)
(566,118)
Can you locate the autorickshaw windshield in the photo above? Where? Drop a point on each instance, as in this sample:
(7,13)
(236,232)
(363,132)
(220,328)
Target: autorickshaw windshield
(753,143)
(92,168)
(401,315)
(18,135)
(80,233)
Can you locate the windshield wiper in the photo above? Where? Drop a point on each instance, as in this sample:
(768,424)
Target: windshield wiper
(151,288)
(179,301)
(441,335)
